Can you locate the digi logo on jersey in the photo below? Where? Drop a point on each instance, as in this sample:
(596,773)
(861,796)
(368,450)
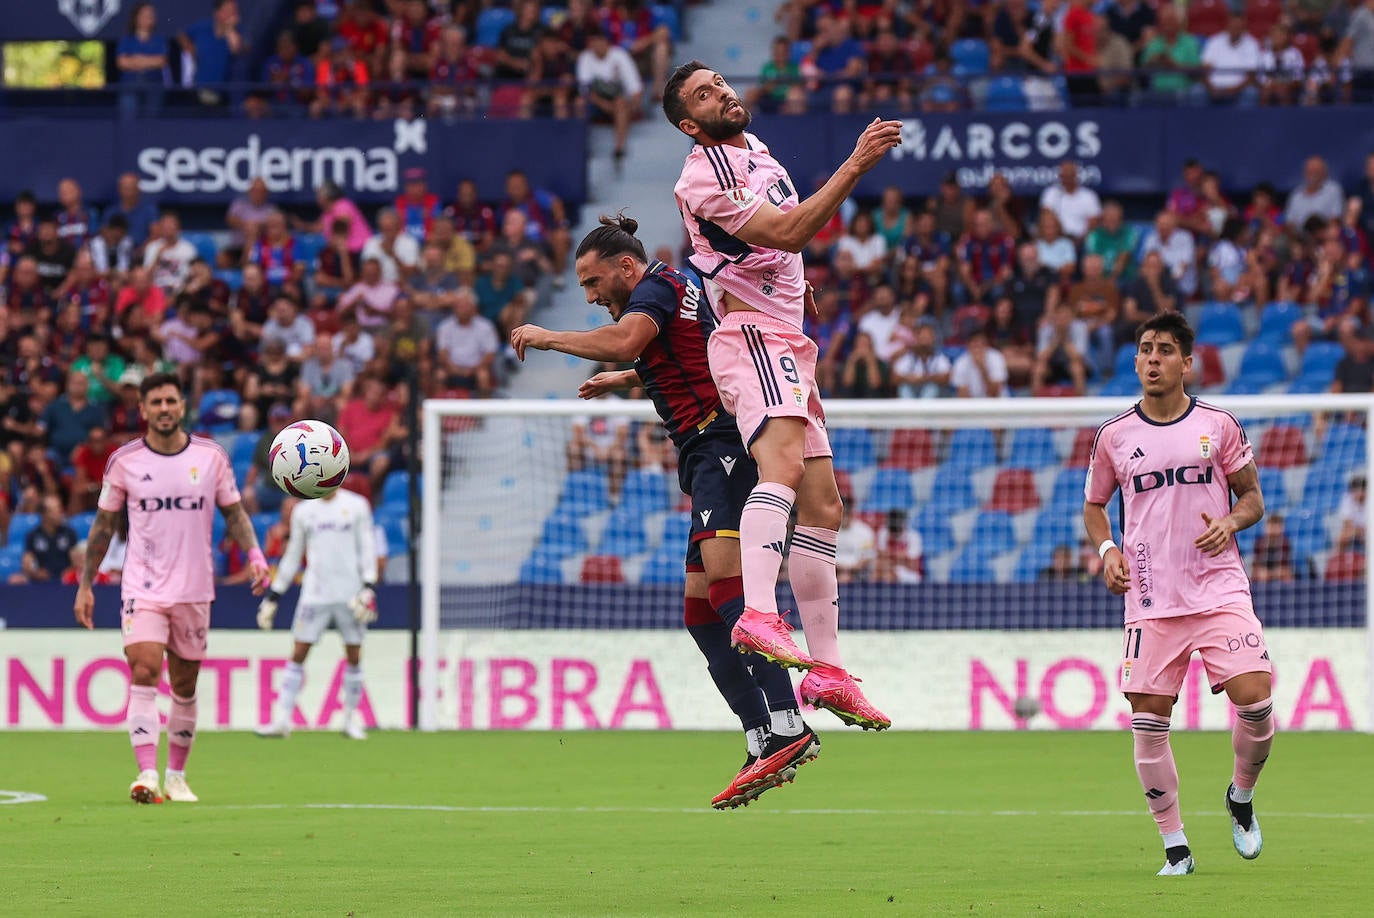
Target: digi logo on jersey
(179,502)
(1183,475)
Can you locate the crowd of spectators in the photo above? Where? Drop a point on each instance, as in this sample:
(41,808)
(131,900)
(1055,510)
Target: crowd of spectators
(279,315)
(947,55)
(985,295)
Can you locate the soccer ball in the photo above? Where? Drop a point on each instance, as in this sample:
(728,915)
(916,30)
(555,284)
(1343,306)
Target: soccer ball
(308,459)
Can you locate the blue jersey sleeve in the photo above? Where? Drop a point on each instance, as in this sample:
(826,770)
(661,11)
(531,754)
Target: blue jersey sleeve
(655,298)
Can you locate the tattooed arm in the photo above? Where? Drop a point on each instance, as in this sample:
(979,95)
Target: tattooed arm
(97,543)
(240,528)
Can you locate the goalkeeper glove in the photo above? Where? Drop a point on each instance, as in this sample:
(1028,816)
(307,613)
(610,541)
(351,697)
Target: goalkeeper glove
(364,605)
(267,610)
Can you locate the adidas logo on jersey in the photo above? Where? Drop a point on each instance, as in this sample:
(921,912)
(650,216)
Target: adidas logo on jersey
(146,477)
(705,517)
(1138,454)
(729,463)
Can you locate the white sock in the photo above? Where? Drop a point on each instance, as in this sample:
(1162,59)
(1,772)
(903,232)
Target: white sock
(787,723)
(173,773)
(1242,794)
(353,689)
(1174,839)
(754,738)
(291,682)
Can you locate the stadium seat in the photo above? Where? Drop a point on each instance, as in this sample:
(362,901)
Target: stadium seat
(1057,526)
(11,560)
(1276,323)
(952,489)
(663,569)
(677,528)
(601,569)
(1260,16)
(541,567)
(1274,488)
(242,449)
(231,277)
(491,22)
(1124,365)
(81,523)
(1212,371)
(853,448)
(889,490)
(1068,488)
(1120,386)
(1306,532)
(1281,447)
(1324,487)
(1308,44)
(584,493)
(394,521)
(1262,364)
(800,50)
(21,524)
(1032,448)
(1309,385)
(1033,559)
(1220,324)
(1344,445)
(396,489)
(561,537)
(218,411)
(1207,17)
(937,536)
(910,449)
(993,533)
(971,56)
(665,15)
(1006,95)
(1082,448)
(1347,566)
(972,566)
(624,533)
(205,245)
(1320,359)
(263,522)
(1013,491)
(308,248)
(1243,386)
(646,491)
(972,449)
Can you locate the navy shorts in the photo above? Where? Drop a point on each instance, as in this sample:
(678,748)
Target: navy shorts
(717,473)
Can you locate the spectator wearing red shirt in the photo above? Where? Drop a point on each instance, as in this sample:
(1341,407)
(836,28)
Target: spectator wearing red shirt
(1077,42)
(365,33)
(141,295)
(453,75)
(88,469)
(1186,200)
(417,206)
(374,431)
(472,219)
(414,38)
(342,77)
(88,291)
(986,259)
(274,250)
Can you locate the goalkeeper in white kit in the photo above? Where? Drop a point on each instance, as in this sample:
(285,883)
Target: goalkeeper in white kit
(334,535)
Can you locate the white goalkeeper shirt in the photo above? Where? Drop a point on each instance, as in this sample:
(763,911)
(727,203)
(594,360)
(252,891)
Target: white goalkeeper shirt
(334,538)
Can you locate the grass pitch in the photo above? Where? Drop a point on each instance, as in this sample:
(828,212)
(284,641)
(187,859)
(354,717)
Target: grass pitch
(619,824)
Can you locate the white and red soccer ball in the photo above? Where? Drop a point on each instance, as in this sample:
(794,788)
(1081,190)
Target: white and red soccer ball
(308,459)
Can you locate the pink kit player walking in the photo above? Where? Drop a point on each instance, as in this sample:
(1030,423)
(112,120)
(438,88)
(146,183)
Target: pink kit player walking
(748,227)
(169,483)
(1177,462)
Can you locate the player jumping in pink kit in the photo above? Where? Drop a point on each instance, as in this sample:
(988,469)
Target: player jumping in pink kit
(169,483)
(748,228)
(1177,462)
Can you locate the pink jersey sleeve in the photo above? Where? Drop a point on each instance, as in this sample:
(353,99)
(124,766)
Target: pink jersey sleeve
(113,493)
(714,189)
(226,490)
(1101,483)
(1236,451)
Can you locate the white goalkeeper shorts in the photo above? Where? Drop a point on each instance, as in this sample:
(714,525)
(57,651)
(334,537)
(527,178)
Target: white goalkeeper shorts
(310,621)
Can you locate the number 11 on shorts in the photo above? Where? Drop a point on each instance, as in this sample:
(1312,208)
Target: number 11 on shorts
(1128,652)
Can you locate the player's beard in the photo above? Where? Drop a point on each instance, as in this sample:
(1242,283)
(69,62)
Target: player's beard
(725,127)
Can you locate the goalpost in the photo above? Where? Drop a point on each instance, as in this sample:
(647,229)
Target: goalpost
(551,583)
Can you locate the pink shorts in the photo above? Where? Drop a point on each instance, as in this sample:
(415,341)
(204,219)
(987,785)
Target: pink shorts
(181,627)
(765,368)
(1154,660)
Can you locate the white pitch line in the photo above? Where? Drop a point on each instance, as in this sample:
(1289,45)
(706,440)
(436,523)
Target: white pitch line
(18,796)
(653,810)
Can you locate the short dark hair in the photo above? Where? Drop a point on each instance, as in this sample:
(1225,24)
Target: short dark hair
(674,106)
(613,238)
(1172,323)
(158,380)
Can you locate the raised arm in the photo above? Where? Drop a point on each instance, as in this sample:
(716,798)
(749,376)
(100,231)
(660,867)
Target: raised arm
(625,340)
(97,543)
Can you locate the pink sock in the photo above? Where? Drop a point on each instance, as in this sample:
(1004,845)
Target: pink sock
(1154,762)
(143,725)
(762,536)
(181,731)
(1251,738)
(811,569)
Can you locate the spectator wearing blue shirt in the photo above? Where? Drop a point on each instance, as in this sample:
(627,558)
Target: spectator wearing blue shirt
(141,58)
(137,212)
(841,62)
(69,418)
(289,73)
(210,47)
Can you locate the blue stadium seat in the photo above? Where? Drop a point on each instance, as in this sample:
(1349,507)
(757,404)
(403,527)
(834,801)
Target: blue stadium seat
(81,523)
(561,537)
(972,448)
(1034,558)
(1262,364)
(232,277)
(1242,386)
(1032,448)
(663,568)
(11,560)
(1306,531)
(937,537)
(584,492)
(1273,488)
(491,22)
(1309,385)
(205,244)
(541,567)
(1220,324)
(243,448)
(1123,384)
(1006,95)
(1320,359)
(972,566)
(1058,526)
(1276,323)
(263,522)
(624,534)
(677,528)
(1324,487)
(952,490)
(665,15)
(218,411)
(993,532)
(393,520)
(645,490)
(308,248)
(396,489)
(890,490)
(21,524)
(971,56)
(1125,360)
(1068,489)
(853,448)
(800,49)
(1344,445)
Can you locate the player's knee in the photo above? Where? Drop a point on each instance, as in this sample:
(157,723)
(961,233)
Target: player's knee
(141,673)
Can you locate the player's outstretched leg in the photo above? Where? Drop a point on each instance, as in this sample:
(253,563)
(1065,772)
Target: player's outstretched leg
(1154,763)
(181,733)
(763,538)
(1252,737)
(144,729)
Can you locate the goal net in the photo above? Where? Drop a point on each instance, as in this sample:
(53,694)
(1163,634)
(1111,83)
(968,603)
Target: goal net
(554,535)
